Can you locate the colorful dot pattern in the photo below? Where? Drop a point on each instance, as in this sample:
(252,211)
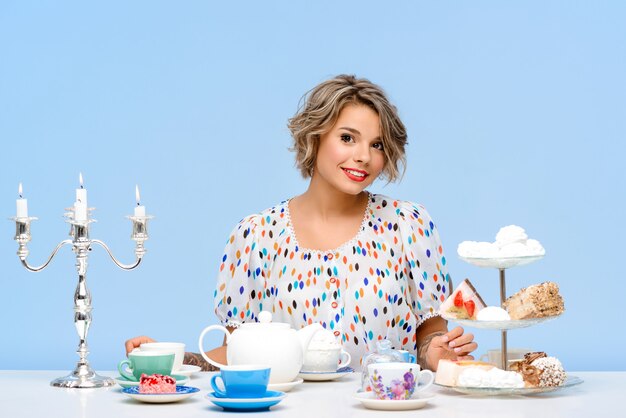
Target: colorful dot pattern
(382,284)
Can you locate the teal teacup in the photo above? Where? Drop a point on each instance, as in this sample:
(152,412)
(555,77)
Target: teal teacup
(147,362)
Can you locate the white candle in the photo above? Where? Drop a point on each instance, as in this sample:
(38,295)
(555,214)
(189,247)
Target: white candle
(80,205)
(140,210)
(80,211)
(22,204)
(81,193)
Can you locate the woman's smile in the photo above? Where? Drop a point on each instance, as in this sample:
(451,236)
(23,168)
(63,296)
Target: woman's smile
(354,174)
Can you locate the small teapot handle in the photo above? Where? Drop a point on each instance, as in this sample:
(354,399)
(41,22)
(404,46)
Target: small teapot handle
(203,333)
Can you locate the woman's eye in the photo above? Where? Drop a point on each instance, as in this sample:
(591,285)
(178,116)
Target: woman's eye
(378,146)
(346,138)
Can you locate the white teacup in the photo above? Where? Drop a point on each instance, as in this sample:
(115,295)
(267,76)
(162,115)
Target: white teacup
(325,359)
(495,356)
(177,348)
(398,381)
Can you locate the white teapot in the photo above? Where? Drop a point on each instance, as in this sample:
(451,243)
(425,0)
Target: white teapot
(269,343)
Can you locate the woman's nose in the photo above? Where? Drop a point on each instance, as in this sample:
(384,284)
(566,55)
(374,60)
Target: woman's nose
(361,154)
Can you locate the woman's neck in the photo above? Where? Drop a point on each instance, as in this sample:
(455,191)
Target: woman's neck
(326,218)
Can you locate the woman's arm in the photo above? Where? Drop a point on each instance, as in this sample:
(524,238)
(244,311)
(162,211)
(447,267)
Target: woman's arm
(435,342)
(195,359)
(218,354)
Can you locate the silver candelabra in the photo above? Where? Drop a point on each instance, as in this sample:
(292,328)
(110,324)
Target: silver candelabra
(83,375)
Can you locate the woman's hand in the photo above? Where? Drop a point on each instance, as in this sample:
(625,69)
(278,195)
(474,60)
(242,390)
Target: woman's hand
(136,342)
(453,345)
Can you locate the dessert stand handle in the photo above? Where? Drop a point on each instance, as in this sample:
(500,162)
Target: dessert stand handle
(503,344)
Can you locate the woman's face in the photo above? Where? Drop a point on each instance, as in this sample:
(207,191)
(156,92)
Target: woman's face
(350,156)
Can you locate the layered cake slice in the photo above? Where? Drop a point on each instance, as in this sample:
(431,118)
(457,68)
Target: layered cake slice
(536,301)
(157,383)
(463,303)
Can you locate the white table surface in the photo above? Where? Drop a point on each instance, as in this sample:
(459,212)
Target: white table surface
(29,394)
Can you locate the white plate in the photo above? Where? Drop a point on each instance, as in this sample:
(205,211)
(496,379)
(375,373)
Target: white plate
(182,392)
(187,370)
(502,325)
(369,400)
(284,387)
(501,262)
(325,376)
(569,382)
(180,380)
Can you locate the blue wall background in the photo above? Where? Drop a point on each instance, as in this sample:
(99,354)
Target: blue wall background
(515,110)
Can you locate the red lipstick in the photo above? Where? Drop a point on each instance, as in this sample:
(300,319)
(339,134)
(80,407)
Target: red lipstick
(355,175)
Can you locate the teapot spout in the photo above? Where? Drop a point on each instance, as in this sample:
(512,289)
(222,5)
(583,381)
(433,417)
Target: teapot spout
(305,334)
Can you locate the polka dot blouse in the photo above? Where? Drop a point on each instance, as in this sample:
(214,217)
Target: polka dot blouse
(383,283)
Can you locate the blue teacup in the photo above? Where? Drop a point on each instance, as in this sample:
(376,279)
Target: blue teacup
(243,381)
(407,357)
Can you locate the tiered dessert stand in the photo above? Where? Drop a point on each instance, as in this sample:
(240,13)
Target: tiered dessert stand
(502,264)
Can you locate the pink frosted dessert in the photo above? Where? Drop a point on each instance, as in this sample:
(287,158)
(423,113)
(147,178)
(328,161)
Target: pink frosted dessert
(157,383)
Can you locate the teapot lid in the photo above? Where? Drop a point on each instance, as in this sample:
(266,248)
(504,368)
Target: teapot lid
(265,320)
(382,345)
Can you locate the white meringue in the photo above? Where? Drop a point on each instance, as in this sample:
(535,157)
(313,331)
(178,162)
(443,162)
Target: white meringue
(511,241)
(494,378)
(492,313)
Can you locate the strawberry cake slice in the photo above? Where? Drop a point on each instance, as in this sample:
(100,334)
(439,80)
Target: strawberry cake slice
(157,383)
(463,303)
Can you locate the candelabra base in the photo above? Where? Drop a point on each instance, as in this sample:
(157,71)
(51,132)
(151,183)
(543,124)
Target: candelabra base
(83,377)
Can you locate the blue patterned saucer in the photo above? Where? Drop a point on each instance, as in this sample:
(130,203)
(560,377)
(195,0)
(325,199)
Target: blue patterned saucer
(182,392)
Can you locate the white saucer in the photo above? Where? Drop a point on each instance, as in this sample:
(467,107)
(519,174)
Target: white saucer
(284,387)
(324,376)
(125,383)
(370,401)
(187,370)
(182,392)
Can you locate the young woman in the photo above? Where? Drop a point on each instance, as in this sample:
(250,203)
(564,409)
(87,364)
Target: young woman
(365,266)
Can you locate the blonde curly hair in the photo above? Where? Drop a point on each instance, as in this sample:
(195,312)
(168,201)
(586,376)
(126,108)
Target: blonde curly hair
(320,108)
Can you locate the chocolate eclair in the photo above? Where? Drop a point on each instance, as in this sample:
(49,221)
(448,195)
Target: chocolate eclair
(530,374)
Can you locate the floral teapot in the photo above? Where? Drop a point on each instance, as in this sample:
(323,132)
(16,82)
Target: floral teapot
(269,343)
